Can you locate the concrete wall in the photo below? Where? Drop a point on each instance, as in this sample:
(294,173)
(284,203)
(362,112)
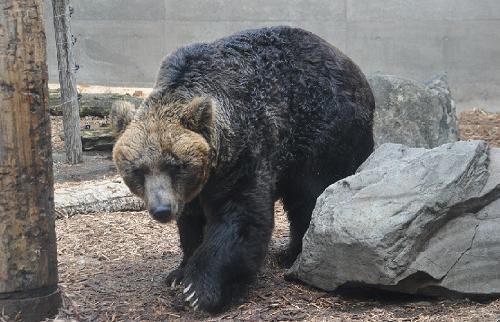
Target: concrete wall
(121,42)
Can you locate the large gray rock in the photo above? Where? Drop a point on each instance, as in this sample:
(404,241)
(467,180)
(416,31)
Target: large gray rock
(413,114)
(412,220)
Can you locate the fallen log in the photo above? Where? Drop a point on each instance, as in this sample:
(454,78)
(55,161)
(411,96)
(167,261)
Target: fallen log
(100,139)
(90,104)
(110,195)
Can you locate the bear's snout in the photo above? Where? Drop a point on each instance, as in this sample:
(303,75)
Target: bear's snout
(160,197)
(162,213)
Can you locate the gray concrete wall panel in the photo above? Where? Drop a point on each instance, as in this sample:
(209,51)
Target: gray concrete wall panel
(121,42)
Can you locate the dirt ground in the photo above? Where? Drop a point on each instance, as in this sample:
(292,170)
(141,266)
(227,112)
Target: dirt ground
(96,164)
(112,266)
(480,125)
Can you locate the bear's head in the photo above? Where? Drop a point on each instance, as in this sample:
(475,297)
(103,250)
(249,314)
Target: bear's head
(165,154)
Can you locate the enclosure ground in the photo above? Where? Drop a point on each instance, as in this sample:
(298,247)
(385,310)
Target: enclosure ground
(112,267)
(480,125)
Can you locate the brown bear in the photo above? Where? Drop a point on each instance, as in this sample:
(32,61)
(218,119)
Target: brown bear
(231,127)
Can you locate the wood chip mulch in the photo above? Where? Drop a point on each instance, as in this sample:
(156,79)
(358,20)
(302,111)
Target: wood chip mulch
(112,268)
(480,125)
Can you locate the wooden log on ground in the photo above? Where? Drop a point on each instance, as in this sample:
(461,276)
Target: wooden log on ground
(91,104)
(100,139)
(94,197)
(28,257)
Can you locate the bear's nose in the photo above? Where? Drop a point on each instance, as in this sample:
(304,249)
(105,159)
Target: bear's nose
(161,213)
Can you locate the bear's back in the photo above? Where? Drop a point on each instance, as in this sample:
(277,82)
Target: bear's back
(280,56)
(286,91)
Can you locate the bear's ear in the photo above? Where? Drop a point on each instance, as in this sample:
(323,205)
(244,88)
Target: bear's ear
(199,116)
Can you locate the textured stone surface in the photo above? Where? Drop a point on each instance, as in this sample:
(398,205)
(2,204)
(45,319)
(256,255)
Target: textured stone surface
(413,114)
(412,220)
(96,196)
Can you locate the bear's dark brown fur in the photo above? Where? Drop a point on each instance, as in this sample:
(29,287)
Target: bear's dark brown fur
(231,127)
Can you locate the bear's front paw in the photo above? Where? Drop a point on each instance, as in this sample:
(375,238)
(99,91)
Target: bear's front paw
(203,292)
(175,277)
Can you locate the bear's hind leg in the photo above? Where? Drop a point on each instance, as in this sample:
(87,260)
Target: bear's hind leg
(303,185)
(298,202)
(299,193)
(190,225)
(234,247)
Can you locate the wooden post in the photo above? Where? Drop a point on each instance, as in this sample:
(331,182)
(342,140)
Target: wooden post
(67,68)
(28,262)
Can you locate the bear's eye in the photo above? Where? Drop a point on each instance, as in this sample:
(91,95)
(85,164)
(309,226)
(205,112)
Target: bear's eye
(172,166)
(135,180)
(139,173)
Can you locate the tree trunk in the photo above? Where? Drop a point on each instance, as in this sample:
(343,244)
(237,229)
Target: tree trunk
(69,95)
(28,263)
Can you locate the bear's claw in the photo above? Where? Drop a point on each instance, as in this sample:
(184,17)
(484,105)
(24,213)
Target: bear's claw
(174,278)
(202,295)
(193,301)
(191,297)
(187,288)
(188,299)
(175,283)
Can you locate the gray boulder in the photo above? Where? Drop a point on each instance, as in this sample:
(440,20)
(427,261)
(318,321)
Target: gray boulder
(412,114)
(411,220)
